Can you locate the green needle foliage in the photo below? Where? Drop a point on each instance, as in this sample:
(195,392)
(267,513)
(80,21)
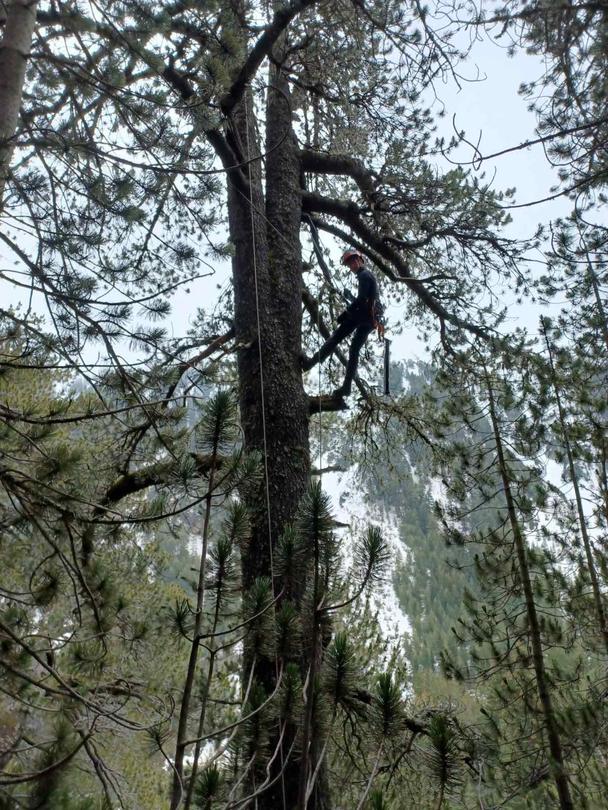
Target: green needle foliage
(208,788)
(167,636)
(387,709)
(217,426)
(371,556)
(443,757)
(340,672)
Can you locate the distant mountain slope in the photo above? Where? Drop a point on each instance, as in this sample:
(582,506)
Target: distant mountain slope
(393,486)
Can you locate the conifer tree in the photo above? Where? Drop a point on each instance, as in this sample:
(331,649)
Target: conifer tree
(147,129)
(568,449)
(76,623)
(216,433)
(555,744)
(512,632)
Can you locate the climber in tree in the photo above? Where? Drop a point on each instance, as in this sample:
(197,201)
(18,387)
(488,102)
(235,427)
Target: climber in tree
(359,317)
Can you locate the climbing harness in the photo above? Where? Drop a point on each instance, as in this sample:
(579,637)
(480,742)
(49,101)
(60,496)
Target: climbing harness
(376,310)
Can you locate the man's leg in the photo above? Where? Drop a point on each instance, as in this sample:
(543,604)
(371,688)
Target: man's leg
(361,334)
(343,331)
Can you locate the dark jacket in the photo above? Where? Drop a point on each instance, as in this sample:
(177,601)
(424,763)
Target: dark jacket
(362,308)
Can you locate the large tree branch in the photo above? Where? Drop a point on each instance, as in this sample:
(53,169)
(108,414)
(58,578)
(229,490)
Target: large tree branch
(215,343)
(157,474)
(326,403)
(260,51)
(367,181)
(141,430)
(321,163)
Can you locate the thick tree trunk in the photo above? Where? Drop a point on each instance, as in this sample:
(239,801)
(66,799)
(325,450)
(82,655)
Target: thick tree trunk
(14,52)
(252,322)
(274,406)
(265,231)
(283,211)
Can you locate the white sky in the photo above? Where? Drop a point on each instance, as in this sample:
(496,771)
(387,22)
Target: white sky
(495,117)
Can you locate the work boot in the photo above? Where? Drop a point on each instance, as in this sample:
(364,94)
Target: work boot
(341,393)
(306,363)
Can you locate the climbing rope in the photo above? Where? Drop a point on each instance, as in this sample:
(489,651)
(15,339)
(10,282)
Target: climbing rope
(259,331)
(319,383)
(252,210)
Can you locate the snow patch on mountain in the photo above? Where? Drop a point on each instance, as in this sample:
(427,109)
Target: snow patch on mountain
(437,491)
(350,506)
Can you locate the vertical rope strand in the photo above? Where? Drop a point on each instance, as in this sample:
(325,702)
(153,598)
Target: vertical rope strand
(258,322)
(263,402)
(319,387)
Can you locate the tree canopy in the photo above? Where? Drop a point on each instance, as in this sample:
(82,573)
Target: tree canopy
(183,621)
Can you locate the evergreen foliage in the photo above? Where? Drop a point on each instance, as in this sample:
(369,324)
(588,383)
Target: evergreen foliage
(178,623)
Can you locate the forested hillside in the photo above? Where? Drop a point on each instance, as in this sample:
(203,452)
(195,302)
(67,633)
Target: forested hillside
(395,483)
(187,620)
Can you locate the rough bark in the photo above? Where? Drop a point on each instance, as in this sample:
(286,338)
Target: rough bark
(265,232)
(274,406)
(266,271)
(14,52)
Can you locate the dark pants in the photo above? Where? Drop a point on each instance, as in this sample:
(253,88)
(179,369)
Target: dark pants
(346,328)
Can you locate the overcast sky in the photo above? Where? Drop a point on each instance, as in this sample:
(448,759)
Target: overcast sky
(490,108)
